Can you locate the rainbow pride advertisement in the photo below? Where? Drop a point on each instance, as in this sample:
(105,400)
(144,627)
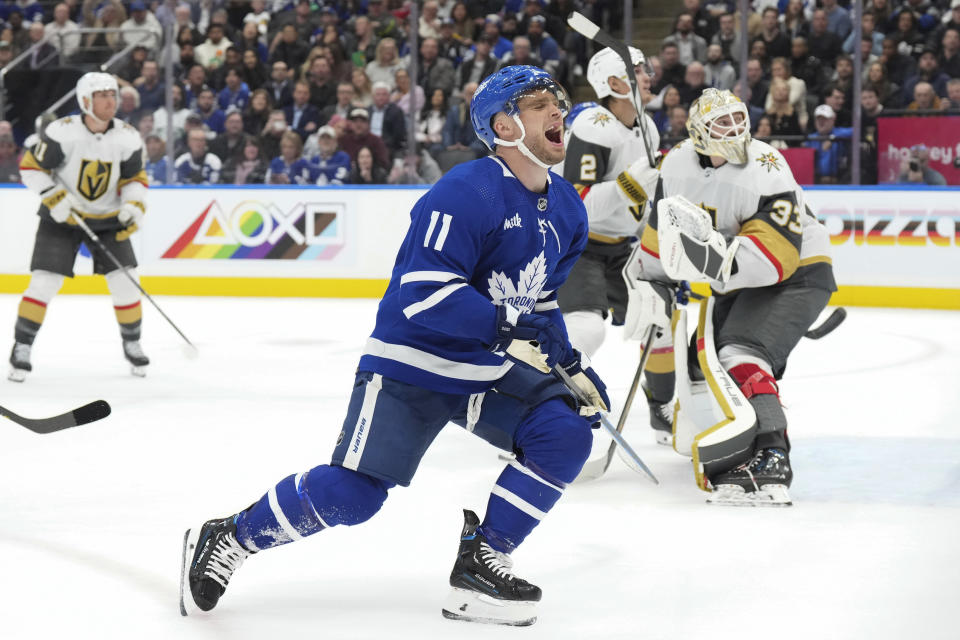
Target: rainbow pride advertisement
(261,230)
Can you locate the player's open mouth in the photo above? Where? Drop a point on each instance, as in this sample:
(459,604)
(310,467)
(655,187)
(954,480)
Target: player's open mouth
(555,134)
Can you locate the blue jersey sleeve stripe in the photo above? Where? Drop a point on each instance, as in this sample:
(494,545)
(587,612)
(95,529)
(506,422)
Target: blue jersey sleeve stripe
(429,276)
(547,295)
(434,364)
(432,300)
(546,306)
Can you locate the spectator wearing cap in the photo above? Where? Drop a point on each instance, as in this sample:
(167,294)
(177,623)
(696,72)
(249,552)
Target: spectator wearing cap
(928,70)
(491,31)
(359,135)
(831,144)
(386,119)
(279,86)
(229,144)
(63,31)
(449,47)
(290,167)
(212,116)
(384,66)
(332,164)
(303,117)
(155,163)
(435,72)
(236,93)
(288,49)
(197,165)
(141,21)
(481,65)
(542,42)
(344,104)
(213,51)
(250,167)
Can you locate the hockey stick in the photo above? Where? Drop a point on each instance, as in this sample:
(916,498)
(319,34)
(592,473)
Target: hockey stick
(634,460)
(189,349)
(827,326)
(96,410)
(593,469)
(588,29)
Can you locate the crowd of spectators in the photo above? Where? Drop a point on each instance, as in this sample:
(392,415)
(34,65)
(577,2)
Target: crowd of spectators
(799,75)
(320,92)
(300,91)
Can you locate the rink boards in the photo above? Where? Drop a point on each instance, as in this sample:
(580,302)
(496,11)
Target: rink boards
(895,247)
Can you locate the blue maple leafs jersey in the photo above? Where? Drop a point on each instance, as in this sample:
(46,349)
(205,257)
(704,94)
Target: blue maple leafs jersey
(477,239)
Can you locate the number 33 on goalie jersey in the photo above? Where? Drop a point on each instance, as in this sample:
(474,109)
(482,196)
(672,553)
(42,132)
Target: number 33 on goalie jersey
(101,171)
(762,203)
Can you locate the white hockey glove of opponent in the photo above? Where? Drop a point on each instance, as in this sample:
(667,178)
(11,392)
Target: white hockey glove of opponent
(591,385)
(638,180)
(61,204)
(130,216)
(529,339)
(690,248)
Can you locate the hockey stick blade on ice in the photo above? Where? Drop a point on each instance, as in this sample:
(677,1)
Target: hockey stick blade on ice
(589,29)
(832,322)
(96,410)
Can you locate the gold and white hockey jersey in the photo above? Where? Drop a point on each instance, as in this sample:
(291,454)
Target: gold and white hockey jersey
(761,202)
(599,150)
(101,171)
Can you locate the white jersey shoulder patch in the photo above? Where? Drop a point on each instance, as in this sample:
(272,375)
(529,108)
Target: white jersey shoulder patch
(597,125)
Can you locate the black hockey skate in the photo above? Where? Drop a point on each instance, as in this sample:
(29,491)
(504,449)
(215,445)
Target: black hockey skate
(484,588)
(661,419)
(20,362)
(133,352)
(762,481)
(210,556)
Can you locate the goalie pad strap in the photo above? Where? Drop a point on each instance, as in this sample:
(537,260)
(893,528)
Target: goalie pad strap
(753,380)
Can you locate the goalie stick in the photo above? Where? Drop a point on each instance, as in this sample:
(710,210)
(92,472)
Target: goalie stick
(588,29)
(96,410)
(632,459)
(189,349)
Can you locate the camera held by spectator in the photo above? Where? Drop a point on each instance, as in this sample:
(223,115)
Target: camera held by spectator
(914,168)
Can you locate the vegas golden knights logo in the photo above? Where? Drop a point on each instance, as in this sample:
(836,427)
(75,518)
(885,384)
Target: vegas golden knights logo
(94,178)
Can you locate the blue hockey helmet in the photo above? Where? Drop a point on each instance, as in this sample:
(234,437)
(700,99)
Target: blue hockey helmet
(502,90)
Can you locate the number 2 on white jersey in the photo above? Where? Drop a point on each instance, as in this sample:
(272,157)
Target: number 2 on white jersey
(444,230)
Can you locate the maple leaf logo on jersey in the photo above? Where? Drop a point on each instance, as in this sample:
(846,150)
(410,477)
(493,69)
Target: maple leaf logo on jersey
(524,295)
(601,118)
(769,161)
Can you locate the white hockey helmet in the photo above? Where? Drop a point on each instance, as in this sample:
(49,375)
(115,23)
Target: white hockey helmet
(713,139)
(89,84)
(606,63)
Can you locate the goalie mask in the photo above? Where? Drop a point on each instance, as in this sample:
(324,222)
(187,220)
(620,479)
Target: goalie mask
(606,63)
(715,135)
(89,84)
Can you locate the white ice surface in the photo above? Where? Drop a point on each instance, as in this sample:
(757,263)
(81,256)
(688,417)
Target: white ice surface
(91,519)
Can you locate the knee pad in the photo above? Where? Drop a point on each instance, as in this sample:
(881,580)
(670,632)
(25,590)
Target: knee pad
(344,496)
(586,330)
(554,442)
(43,286)
(122,290)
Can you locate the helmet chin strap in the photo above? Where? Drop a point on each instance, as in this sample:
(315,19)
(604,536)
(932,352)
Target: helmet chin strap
(90,113)
(518,143)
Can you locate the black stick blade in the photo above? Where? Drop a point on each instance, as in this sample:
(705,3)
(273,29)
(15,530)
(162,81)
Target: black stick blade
(96,410)
(839,315)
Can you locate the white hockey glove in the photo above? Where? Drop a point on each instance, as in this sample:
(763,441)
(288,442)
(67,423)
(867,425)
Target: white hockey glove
(60,204)
(690,248)
(638,180)
(130,216)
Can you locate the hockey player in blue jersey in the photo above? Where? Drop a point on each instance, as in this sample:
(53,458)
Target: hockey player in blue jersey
(468,331)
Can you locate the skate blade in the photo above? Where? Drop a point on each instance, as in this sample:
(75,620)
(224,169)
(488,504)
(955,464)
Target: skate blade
(17,375)
(187,605)
(768,495)
(471,606)
(139,372)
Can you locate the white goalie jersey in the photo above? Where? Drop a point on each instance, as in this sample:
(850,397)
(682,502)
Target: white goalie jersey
(101,171)
(599,151)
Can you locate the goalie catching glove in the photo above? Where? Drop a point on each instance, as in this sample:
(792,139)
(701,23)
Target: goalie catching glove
(690,248)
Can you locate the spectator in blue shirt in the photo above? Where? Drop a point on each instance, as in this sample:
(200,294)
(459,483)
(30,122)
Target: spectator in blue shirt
(832,155)
(197,165)
(152,94)
(156,160)
(290,167)
(491,31)
(332,164)
(208,111)
(236,93)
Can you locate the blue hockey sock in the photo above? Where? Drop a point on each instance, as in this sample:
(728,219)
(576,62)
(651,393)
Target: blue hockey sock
(518,502)
(309,502)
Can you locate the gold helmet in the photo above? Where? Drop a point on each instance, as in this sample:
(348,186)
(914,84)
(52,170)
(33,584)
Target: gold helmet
(712,139)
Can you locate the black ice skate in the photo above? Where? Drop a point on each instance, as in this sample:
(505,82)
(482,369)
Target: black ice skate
(661,419)
(210,556)
(19,362)
(763,481)
(133,352)
(484,588)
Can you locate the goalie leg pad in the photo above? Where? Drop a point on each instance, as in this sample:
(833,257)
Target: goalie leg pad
(760,388)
